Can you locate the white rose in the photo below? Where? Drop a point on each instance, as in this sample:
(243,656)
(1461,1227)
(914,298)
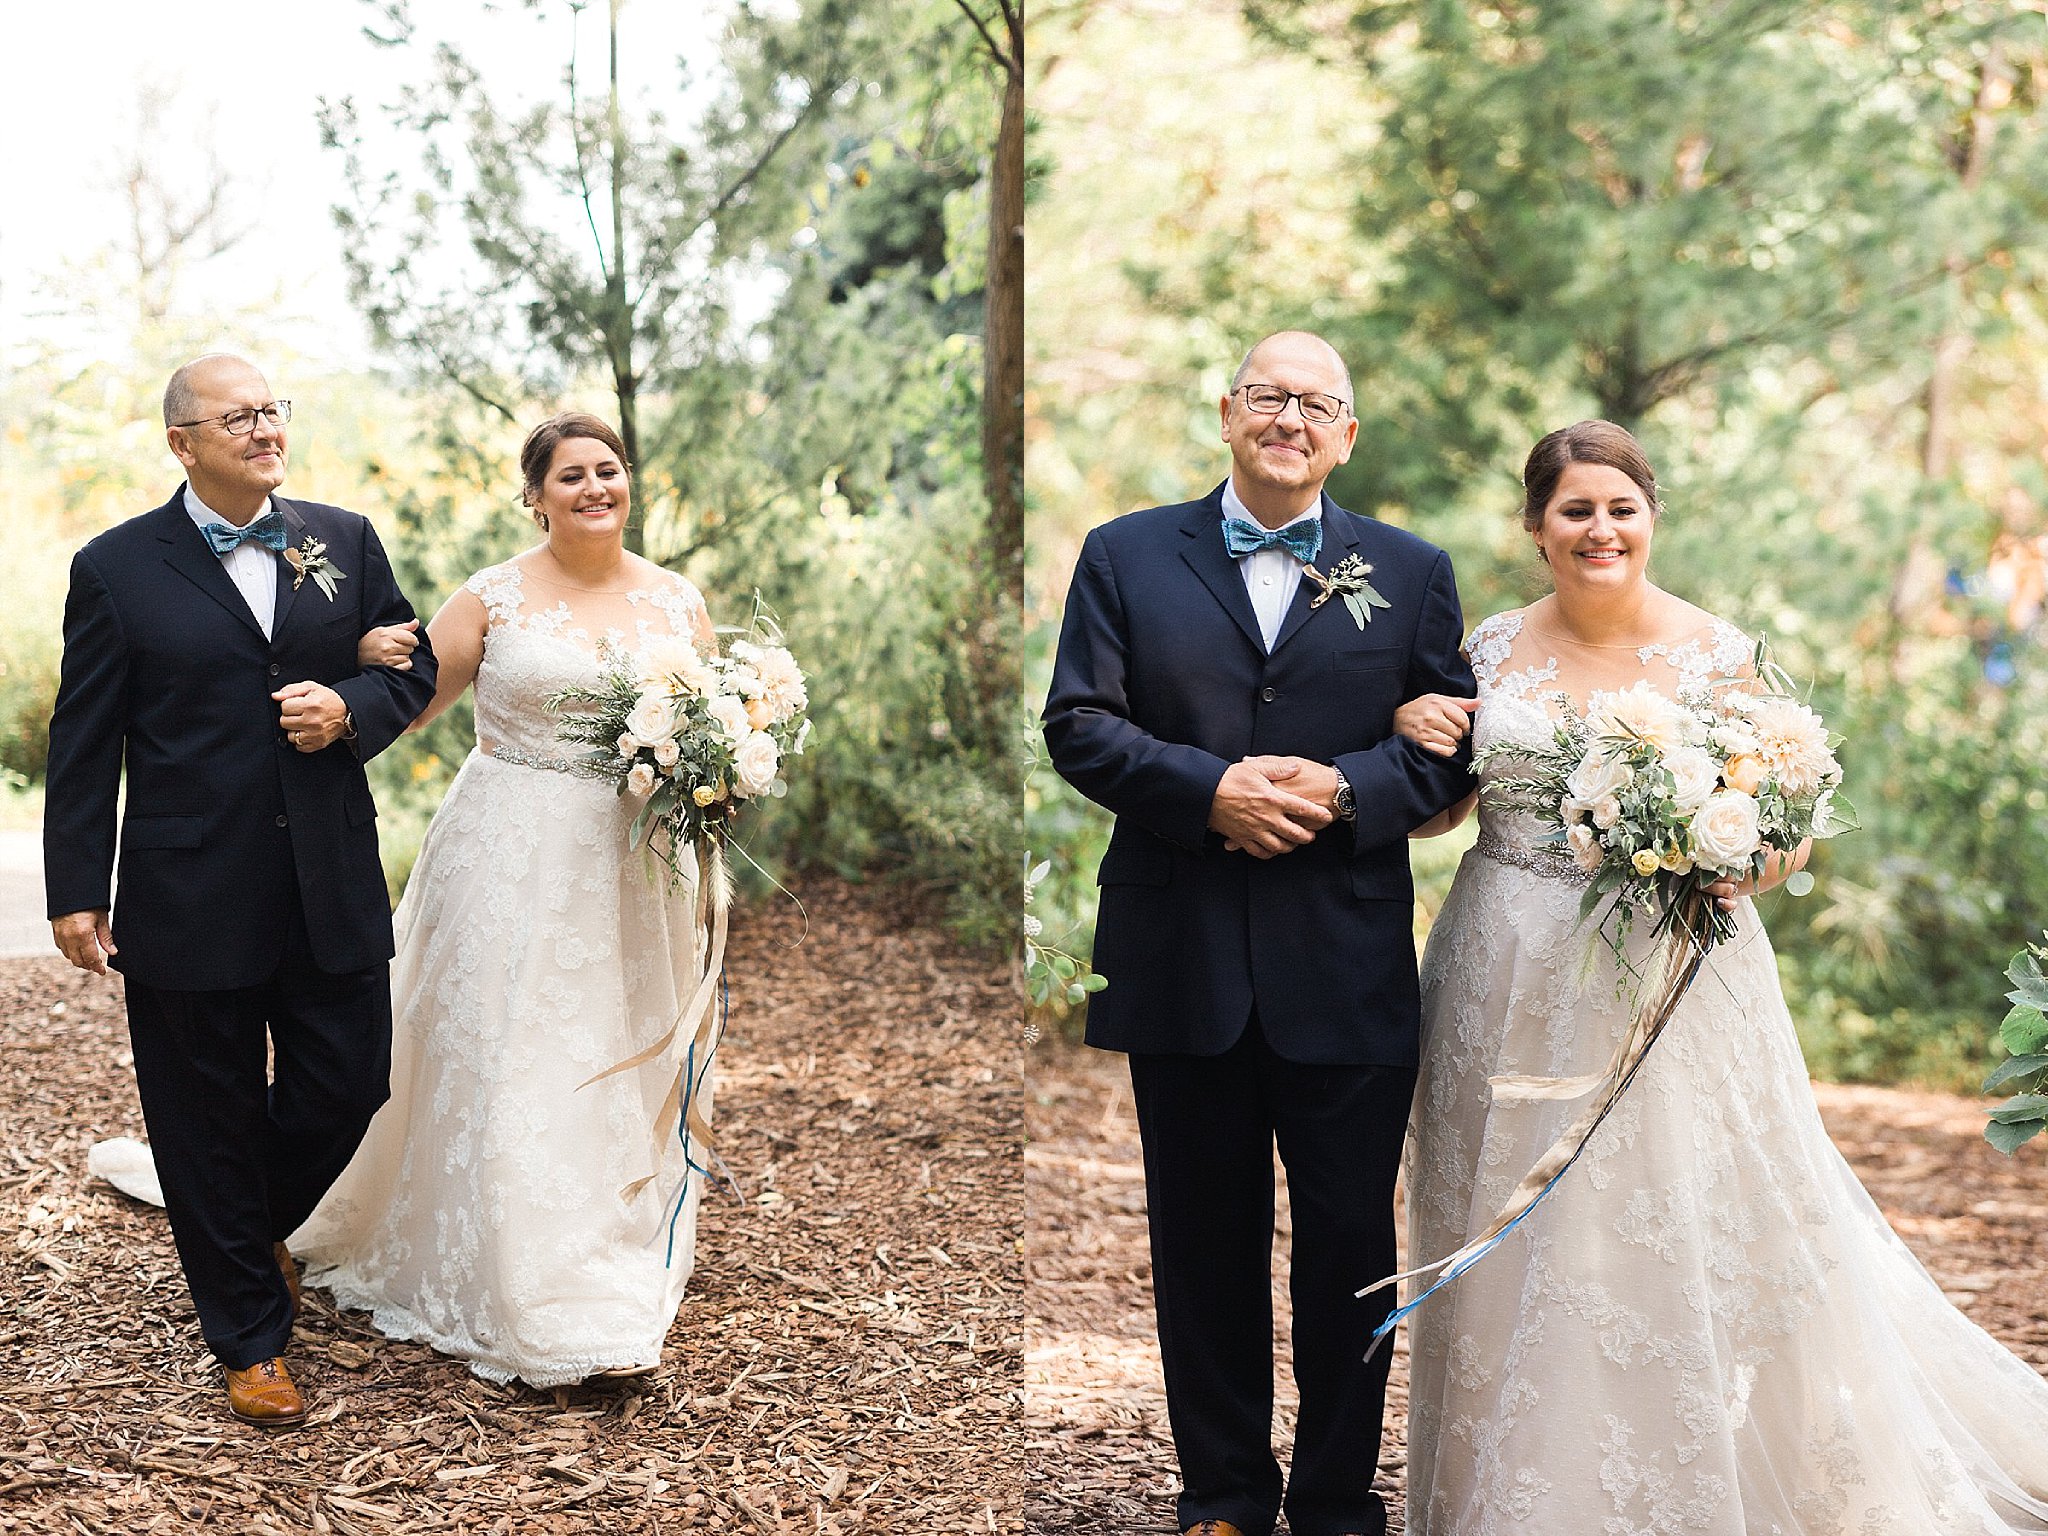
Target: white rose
(1584,846)
(1598,776)
(665,754)
(1735,740)
(1574,811)
(629,744)
(653,717)
(754,764)
(730,716)
(1724,831)
(1694,774)
(1606,812)
(640,781)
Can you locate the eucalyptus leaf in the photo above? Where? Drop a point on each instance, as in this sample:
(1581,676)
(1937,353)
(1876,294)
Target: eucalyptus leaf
(1799,883)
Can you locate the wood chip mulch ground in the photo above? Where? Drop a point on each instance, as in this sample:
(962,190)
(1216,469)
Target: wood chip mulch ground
(1099,1452)
(848,1359)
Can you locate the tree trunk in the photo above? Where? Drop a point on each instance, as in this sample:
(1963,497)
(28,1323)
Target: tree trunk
(1002,390)
(618,317)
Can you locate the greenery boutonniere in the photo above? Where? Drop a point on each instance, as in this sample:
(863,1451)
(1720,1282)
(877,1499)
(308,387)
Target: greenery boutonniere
(1347,579)
(310,559)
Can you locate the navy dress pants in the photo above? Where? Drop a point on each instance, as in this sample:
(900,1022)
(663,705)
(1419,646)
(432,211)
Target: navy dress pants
(244,1156)
(1209,1125)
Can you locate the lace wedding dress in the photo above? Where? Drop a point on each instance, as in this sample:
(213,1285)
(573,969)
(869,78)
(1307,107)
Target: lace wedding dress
(483,1212)
(1707,1327)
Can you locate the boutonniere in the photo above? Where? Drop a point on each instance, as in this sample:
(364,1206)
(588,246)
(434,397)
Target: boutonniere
(1347,579)
(310,559)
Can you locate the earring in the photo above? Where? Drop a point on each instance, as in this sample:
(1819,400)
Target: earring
(542,519)
(1543,554)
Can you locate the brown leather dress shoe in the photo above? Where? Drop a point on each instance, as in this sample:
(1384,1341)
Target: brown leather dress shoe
(1212,1528)
(289,1268)
(264,1395)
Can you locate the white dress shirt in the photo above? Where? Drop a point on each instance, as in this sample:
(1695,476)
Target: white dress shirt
(1271,575)
(250,565)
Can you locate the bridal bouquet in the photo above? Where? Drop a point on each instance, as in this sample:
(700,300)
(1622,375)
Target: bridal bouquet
(690,736)
(1655,798)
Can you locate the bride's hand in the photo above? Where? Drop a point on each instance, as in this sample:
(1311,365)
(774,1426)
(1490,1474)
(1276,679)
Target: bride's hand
(1727,892)
(389,645)
(1435,722)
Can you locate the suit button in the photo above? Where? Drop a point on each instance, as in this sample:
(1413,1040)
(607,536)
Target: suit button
(275,669)
(1267,695)
(280,821)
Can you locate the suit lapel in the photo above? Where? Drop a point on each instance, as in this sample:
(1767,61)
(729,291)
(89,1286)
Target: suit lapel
(287,578)
(187,552)
(1339,540)
(1206,556)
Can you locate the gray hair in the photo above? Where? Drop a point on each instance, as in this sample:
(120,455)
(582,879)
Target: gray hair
(1343,372)
(180,399)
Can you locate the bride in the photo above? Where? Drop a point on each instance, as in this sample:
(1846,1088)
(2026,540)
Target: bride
(1707,1327)
(484,1212)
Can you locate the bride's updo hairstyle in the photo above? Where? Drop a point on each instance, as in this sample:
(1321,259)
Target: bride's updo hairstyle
(544,439)
(1583,442)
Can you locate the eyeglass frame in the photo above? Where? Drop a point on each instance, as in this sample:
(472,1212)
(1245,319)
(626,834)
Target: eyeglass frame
(283,408)
(1294,398)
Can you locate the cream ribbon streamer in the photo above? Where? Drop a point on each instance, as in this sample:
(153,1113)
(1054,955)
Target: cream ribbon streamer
(696,1023)
(1690,940)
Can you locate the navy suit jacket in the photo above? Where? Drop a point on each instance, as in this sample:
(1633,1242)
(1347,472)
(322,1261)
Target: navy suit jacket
(168,674)
(1162,681)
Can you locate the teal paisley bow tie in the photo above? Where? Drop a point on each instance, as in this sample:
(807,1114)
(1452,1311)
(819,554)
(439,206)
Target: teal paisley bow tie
(267,529)
(1302,540)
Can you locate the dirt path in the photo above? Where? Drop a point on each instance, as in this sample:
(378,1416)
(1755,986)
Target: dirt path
(848,1358)
(1099,1454)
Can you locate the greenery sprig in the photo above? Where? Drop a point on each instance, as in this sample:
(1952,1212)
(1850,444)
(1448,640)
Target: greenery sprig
(2024,1034)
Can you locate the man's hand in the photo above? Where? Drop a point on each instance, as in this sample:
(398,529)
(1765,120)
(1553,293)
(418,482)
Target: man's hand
(1312,781)
(86,939)
(311,715)
(389,645)
(1255,814)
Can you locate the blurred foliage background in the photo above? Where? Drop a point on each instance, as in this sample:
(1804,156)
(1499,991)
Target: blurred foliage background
(783,291)
(1797,248)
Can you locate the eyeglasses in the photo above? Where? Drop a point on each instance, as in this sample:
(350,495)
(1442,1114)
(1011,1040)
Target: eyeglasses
(241,423)
(1271,400)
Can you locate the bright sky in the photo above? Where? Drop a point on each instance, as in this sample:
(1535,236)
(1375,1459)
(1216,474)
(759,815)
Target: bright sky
(245,81)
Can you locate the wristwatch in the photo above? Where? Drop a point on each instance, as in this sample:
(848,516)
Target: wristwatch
(1346,803)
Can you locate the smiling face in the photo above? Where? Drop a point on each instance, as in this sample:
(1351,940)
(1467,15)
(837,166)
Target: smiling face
(1596,529)
(232,475)
(1280,462)
(586,492)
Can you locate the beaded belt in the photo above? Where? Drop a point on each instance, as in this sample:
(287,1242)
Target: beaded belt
(528,759)
(1552,863)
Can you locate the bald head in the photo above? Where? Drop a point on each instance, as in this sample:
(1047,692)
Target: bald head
(1298,348)
(201,377)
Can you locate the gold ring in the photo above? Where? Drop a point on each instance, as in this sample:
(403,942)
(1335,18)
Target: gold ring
(294,737)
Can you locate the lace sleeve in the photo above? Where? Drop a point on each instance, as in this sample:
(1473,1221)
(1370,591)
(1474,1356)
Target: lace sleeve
(497,587)
(1489,645)
(682,605)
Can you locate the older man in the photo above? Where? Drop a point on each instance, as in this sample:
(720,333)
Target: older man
(210,651)
(1227,678)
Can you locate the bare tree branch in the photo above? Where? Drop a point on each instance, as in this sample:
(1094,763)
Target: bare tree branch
(996,51)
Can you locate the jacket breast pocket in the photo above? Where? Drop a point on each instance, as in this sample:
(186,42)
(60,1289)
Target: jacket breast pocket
(160,832)
(1135,866)
(1386,659)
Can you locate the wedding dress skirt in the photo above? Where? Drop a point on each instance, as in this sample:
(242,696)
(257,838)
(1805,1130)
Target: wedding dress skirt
(484,1213)
(1707,1327)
